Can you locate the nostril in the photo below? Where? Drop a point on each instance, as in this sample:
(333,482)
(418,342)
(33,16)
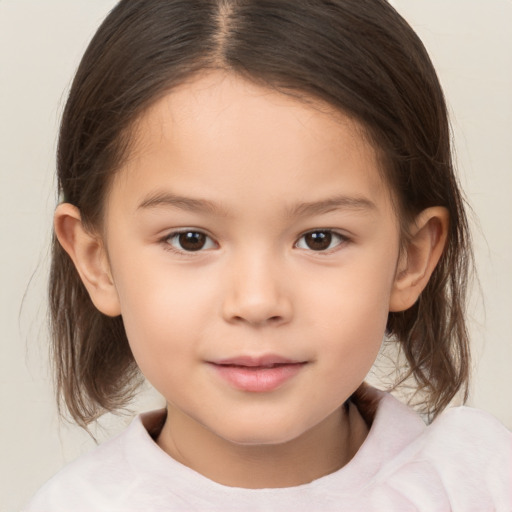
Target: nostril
(269,320)
(256,309)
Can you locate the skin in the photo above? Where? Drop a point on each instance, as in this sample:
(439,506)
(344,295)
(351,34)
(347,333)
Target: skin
(253,170)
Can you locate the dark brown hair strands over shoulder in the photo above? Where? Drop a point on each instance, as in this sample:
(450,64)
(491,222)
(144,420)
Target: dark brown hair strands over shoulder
(358,56)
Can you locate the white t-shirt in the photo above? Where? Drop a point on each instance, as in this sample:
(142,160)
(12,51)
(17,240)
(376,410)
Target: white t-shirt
(461,462)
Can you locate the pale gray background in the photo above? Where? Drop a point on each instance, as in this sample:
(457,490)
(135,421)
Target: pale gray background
(41,42)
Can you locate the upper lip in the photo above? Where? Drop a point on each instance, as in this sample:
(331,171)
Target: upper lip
(258,361)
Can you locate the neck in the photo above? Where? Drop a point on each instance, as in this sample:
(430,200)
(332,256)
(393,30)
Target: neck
(320,451)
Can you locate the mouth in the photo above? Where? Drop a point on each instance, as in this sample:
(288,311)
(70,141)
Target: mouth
(257,374)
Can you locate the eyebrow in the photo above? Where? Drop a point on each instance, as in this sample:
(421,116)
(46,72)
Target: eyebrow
(166,199)
(340,202)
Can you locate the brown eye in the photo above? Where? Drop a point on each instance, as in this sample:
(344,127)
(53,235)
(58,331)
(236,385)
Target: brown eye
(320,240)
(190,241)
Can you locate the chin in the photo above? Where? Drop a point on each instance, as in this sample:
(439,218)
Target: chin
(261,434)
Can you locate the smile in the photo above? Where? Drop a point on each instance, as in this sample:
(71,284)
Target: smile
(257,375)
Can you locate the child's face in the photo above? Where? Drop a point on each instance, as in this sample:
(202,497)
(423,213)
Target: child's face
(290,258)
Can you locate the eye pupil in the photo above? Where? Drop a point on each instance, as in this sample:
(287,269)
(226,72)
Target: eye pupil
(192,241)
(318,240)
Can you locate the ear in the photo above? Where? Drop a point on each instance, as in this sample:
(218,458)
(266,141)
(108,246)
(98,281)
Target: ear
(424,249)
(87,251)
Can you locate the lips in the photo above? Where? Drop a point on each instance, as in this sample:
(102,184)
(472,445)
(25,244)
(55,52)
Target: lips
(257,374)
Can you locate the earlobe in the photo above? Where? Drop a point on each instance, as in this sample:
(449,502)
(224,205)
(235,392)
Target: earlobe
(89,257)
(424,249)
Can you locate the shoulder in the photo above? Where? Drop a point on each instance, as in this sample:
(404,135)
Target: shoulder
(99,480)
(471,446)
(458,426)
(464,457)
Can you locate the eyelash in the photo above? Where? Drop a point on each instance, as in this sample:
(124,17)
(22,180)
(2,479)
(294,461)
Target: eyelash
(332,234)
(342,240)
(167,241)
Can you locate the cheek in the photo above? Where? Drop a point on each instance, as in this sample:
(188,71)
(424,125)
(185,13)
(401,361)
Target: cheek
(350,312)
(352,340)
(355,297)
(348,351)
(164,313)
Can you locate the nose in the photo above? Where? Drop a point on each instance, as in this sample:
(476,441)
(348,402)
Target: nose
(257,293)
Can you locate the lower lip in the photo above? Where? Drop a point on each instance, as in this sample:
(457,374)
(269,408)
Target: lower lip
(257,379)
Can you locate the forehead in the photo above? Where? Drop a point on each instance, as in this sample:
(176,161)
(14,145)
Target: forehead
(222,133)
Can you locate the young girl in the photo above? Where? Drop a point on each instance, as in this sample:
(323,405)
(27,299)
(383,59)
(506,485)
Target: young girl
(255,194)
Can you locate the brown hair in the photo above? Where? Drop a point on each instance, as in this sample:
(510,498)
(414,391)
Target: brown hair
(359,56)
